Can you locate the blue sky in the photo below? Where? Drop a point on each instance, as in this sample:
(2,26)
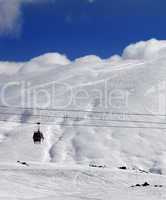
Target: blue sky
(78,27)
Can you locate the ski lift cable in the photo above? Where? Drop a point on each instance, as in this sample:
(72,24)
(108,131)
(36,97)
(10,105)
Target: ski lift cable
(87,125)
(84,111)
(84,118)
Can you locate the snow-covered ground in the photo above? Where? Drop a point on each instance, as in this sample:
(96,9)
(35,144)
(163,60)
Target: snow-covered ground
(50,182)
(129,94)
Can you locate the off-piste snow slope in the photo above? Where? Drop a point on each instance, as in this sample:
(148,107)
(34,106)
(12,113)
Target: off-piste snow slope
(93,111)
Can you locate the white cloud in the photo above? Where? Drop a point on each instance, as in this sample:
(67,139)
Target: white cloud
(9,68)
(44,62)
(89,59)
(145,50)
(10,15)
(41,63)
(139,53)
(52,58)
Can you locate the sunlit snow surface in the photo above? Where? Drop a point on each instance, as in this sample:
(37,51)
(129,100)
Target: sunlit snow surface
(139,75)
(49,182)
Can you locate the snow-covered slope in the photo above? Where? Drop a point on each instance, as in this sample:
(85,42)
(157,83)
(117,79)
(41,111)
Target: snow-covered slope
(49,182)
(132,83)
